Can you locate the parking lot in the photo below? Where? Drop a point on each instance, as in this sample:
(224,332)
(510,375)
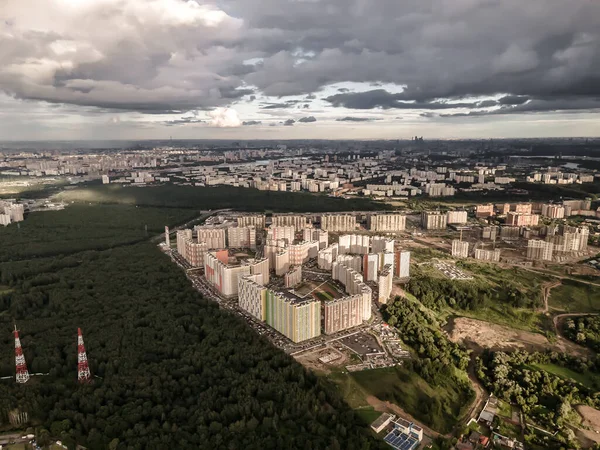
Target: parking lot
(362,344)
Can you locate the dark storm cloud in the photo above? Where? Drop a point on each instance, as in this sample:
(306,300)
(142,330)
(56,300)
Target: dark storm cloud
(289,122)
(539,106)
(251,122)
(307,119)
(513,100)
(354,119)
(194,56)
(380,98)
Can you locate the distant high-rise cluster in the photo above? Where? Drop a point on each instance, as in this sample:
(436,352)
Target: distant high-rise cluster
(338,222)
(11,212)
(386,222)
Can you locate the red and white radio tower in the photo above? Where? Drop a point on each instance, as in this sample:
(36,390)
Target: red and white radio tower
(22,372)
(83,369)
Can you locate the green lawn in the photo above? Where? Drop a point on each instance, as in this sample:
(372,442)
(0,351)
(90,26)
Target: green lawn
(509,429)
(588,379)
(504,409)
(572,296)
(368,415)
(322,295)
(439,407)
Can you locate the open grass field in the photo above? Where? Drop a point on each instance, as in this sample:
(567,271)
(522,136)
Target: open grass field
(590,380)
(318,290)
(368,414)
(572,296)
(439,407)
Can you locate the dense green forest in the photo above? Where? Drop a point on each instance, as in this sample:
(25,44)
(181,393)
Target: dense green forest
(218,197)
(543,386)
(171,369)
(584,331)
(436,354)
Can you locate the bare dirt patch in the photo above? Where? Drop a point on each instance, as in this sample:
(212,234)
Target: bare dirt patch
(310,359)
(590,417)
(477,335)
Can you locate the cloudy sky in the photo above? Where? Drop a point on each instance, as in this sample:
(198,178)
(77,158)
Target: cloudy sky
(243,69)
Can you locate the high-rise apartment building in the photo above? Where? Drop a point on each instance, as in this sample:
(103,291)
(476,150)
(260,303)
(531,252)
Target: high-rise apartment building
(343,313)
(456,217)
(212,236)
(327,256)
(313,234)
(460,249)
(252,296)
(290,220)
(259,267)
(385,284)
(272,247)
(433,220)
(357,244)
(293,277)
(370,267)
(223,277)
(381,244)
(539,250)
(242,237)
(386,223)
(338,222)
(298,253)
(402,264)
(522,219)
(522,208)
(286,232)
(487,255)
(484,211)
(254,220)
(282,262)
(297,319)
(553,211)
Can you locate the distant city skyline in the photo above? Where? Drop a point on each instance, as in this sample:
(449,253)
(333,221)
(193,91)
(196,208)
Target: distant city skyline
(298,69)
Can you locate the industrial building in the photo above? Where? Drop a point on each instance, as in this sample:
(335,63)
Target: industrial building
(460,249)
(343,313)
(386,223)
(223,277)
(433,220)
(456,217)
(242,237)
(539,250)
(338,222)
(297,319)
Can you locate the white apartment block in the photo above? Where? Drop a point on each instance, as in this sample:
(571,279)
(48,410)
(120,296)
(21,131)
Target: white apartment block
(338,222)
(487,255)
(290,220)
(456,217)
(259,267)
(327,256)
(255,220)
(242,237)
(252,296)
(386,223)
(385,284)
(223,277)
(402,264)
(357,244)
(433,220)
(288,233)
(460,249)
(282,262)
(370,267)
(381,244)
(343,313)
(313,234)
(214,237)
(293,277)
(553,211)
(539,250)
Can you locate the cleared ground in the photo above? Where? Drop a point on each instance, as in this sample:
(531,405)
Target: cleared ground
(318,290)
(477,335)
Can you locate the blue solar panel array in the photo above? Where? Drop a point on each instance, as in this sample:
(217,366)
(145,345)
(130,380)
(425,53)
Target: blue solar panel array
(401,441)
